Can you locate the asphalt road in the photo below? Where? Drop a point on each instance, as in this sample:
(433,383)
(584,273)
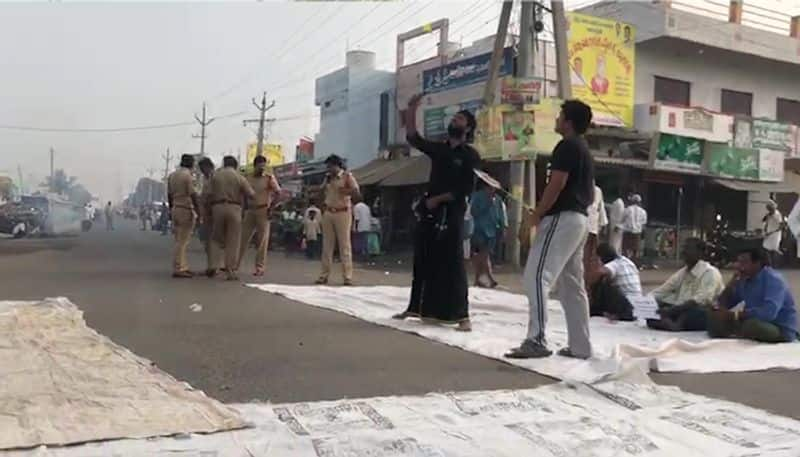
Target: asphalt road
(247,345)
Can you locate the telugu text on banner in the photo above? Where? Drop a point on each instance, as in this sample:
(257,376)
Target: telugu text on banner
(602,62)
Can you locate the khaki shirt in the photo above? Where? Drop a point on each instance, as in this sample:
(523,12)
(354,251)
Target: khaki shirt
(264,186)
(228,186)
(335,197)
(180,186)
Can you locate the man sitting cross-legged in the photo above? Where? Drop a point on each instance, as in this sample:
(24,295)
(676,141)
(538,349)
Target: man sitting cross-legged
(611,285)
(686,297)
(757,304)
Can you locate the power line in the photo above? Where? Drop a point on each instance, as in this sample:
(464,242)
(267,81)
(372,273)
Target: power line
(29,128)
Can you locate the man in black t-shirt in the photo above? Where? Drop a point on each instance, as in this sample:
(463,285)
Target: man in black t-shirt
(556,256)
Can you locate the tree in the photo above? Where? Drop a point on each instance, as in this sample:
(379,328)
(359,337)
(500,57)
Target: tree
(79,195)
(60,183)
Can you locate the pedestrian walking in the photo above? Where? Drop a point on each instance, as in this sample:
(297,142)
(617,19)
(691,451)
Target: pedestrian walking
(228,190)
(488,227)
(311,231)
(362,218)
(616,214)
(439,285)
(256,214)
(163,219)
(109,213)
(182,200)
(556,255)
(337,219)
(633,222)
(773,233)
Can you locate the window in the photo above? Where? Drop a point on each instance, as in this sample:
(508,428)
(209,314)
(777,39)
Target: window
(383,134)
(788,111)
(734,102)
(672,91)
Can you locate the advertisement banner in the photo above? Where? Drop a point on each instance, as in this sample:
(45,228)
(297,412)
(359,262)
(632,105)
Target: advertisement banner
(464,72)
(678,153)
(695,123)
(602,59)
(520,91)
(770,165)
(436,120)
(273,153)
(518,134)
(773,135)
(732,162)
(511,132)
(545,113)
(489,134)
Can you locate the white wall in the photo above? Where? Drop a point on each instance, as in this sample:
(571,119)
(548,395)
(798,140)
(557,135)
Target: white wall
(710,70)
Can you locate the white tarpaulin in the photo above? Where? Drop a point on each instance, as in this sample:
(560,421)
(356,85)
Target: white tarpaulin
(62,383)
(608,420)
(499,321)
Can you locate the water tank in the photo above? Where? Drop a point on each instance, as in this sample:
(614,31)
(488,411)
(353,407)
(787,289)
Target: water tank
(361,59)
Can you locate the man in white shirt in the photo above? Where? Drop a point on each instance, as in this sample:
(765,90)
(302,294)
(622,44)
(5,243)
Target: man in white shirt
(773,227)
(362,217)
(616,212)
(613,284)
(597,220)
(634,220)
(687,296)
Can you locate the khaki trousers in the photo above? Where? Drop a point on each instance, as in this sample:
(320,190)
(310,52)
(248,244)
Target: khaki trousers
(256,222)
(336,230)
(226,234)
(182,226)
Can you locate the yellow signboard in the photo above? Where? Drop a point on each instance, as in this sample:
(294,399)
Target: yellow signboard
(273,153)
(602,62)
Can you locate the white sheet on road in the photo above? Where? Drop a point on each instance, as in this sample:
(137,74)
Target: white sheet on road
(611,419)
(61,383)
(499,321)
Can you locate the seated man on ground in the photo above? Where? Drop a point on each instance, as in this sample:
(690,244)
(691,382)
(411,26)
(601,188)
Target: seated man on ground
(768,315)
(685,299)
(612,284)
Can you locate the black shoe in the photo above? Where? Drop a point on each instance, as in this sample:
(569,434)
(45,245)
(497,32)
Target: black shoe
(529,350)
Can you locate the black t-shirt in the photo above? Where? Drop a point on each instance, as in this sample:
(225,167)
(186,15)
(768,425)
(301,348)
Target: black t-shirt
(452,168)
(572,156)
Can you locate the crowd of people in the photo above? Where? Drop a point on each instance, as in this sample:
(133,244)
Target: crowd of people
(588,253)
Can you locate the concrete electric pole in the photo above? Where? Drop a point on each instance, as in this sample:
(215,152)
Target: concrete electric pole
(52,170)
(167,159)
(262,108)
(203,124)
(562,51)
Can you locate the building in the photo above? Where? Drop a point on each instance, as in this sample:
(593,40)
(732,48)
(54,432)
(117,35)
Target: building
(726,87)
(356,118)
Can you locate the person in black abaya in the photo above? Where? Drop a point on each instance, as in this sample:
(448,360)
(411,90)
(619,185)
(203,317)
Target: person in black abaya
(439,287)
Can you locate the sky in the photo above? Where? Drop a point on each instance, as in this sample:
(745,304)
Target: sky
(111,65)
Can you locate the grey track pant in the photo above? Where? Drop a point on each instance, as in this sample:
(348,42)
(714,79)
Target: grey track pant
(556,258)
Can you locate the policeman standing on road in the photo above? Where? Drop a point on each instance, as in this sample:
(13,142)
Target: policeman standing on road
(183,203)
(228,190)
(337,218)
(256,214)
(213,263)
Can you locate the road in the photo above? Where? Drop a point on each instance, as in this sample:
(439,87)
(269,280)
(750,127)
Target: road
(247,345)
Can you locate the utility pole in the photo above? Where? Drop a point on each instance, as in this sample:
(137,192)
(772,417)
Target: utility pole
(21,182)
(562,51)
(150,172)
(262,109)
(167,159)
(515,210)
(203,124)
(52,170)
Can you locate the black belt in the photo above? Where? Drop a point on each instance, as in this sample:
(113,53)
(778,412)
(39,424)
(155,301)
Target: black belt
(230,202)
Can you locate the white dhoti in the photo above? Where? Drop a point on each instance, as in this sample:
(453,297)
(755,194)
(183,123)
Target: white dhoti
(772,242)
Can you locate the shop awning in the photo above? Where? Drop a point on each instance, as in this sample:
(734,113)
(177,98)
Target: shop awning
(416,172)
(395,171)
(790,184)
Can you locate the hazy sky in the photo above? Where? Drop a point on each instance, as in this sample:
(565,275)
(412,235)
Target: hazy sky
(107,65)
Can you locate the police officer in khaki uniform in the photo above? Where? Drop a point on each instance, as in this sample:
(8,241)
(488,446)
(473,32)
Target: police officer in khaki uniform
(256,214)
(207,169)
(182,203)
(337,218)
(228,190)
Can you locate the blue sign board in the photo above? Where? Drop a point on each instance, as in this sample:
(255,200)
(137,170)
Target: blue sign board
(464,72)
